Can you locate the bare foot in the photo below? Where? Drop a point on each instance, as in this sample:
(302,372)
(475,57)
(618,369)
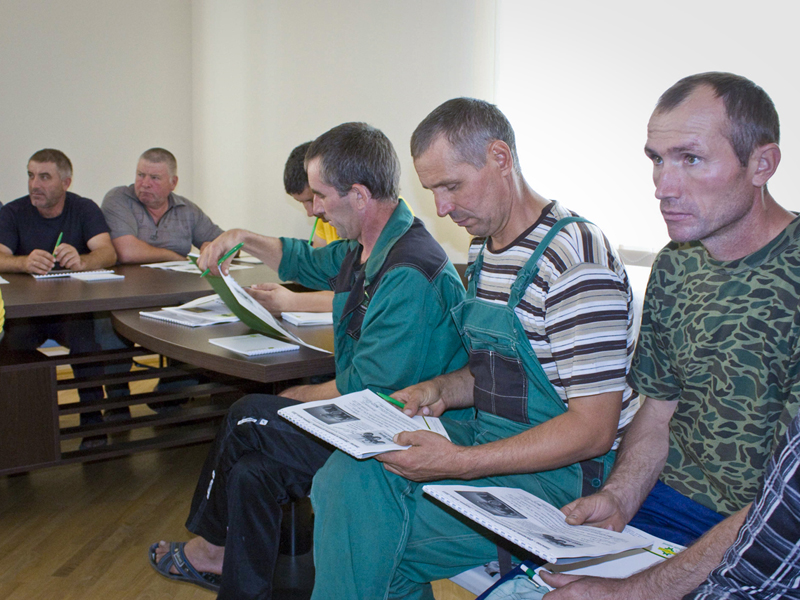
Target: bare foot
(204,556)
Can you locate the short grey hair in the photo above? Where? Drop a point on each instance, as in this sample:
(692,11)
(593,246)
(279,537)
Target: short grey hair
(159,155)
(357,153)
(469,125)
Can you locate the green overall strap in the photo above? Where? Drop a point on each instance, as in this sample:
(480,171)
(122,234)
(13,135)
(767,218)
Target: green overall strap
(473,270)
(531,267)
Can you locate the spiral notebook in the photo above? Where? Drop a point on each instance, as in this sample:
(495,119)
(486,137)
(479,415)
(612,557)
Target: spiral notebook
(189,320)
(361,423)
(253,344)
(96,275)
(533,524)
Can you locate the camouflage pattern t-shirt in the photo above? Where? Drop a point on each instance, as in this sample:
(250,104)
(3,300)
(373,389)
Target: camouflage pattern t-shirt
(721,338)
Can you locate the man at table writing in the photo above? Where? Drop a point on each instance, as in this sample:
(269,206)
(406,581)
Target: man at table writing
(48,227)
(275,297)
(148,221)
(393,289)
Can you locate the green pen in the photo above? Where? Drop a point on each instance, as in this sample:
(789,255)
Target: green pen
(313,231)
(391,400)
(226,256)
(58,241)
(529,573)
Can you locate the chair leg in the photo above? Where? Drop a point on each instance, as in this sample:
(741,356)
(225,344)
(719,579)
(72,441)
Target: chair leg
(297,527)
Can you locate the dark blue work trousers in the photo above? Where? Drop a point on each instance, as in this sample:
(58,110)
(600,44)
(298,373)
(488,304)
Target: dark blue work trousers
(259,461)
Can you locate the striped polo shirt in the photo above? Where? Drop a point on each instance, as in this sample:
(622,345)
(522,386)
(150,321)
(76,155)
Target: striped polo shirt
(577,312)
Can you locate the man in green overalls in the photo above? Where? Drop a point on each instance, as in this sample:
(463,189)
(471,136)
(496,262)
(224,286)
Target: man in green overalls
(548,323)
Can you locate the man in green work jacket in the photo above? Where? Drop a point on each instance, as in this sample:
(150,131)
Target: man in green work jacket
(393,288)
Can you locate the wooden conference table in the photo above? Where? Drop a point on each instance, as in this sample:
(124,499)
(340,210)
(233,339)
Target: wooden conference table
(32,434)
(191,345)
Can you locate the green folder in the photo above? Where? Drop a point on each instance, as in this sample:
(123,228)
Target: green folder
(245,316)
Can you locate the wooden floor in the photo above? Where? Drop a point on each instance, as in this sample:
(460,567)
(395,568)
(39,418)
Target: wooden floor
(82,531)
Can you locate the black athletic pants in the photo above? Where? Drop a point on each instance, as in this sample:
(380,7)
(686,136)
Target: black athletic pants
(258,462)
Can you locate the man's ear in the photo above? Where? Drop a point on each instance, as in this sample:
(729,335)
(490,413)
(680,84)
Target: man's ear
(499,153)
(361,196)
(66,182)
(766,159)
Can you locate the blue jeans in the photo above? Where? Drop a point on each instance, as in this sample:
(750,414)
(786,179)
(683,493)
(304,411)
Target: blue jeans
(670,515)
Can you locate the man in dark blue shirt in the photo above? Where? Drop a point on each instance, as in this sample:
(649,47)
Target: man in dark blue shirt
(48,227)
(30,226)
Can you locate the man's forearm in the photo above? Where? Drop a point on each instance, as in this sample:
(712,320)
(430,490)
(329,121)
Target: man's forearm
(457,388)
(131,250)
(309,393)
(313,302)
(268,249)
(585,431)
(641,455)
(99,258)
(676,577)
(12,264)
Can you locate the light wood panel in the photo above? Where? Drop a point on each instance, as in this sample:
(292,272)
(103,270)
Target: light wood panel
(447,590)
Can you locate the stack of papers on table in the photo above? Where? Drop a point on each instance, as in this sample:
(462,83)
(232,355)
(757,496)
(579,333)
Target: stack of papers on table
(307,318)
(209,310)
(96,275)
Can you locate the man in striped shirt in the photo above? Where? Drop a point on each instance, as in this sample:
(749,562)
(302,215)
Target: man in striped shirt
(548,323)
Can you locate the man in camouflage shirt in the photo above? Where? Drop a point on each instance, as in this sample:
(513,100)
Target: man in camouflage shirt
(717,357)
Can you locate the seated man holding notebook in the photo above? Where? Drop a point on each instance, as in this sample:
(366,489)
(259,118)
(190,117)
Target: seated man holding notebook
(394,288)
(717,356)
(53,228)
(548,323)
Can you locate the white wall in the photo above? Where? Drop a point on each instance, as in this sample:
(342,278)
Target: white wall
(231,87)
(271,75)
(579,79)
(101,80)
